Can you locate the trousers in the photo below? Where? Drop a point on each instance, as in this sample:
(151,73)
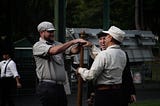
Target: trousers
(51,94)
(8,88)
(111,97)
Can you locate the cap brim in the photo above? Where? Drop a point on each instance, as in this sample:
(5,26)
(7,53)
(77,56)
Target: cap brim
(101,34)
(51,29)
(107,32)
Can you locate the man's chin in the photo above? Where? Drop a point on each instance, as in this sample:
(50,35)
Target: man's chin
(103,48)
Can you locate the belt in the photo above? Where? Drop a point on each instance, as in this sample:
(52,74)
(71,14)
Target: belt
(53,82)
(109,87)
(8,77)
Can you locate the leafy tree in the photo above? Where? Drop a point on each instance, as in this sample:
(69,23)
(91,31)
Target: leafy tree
(84,13)
(122,13)
(152,16)
(19,18)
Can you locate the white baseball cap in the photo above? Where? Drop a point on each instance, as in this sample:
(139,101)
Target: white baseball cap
(116,33)
(48,26)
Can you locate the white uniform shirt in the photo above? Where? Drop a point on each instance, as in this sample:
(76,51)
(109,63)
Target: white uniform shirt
(107,67)
(11,70)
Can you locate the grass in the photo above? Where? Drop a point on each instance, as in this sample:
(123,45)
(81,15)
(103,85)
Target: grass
(147,103)
(155,79)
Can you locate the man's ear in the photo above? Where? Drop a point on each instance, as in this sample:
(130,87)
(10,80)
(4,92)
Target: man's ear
(41,32)
(109,37)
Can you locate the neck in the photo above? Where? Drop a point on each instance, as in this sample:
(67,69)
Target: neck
(7,59)
(111,43)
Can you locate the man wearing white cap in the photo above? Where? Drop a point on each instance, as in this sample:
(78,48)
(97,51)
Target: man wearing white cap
(107,70)
(127,80)
(48,55)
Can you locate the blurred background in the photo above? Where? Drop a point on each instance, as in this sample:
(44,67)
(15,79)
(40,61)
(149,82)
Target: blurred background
(140,19)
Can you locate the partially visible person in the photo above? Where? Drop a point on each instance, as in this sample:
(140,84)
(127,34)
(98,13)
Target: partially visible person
(93,50)
(10,79)
(48,54)
(107,70)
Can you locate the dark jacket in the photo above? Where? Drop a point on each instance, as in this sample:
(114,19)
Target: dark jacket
(127,82)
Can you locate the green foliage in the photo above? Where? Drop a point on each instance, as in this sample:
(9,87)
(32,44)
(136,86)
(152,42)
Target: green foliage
(84,13)
(122,13)
(147,103)
(23,19)
(152,16)
(90,13)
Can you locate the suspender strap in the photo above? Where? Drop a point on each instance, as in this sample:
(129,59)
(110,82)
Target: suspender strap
(6,67)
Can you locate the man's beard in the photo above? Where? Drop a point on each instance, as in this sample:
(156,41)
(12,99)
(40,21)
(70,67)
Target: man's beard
(49,40)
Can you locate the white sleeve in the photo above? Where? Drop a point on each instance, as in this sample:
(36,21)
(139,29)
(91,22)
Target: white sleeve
(13,69)
(1,64)
(96,68)
(94,51)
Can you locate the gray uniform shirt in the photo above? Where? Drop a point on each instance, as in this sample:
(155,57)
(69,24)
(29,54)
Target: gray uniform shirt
(48,67)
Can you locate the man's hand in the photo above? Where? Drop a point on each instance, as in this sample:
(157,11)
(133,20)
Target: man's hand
(79,41)
(84,43)
(133,98)
(88,44)
(77,71)
(19,85)
(76,49)
(90,100)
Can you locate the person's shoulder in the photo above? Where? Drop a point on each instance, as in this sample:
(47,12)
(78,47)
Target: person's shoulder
(3,61)
(102,53)
(57,43)
(38,44)
(12,61)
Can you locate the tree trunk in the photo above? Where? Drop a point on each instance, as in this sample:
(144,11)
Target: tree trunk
(141,15)
(137,19)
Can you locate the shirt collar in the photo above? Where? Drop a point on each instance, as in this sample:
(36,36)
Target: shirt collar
(42,40)
(114,46)
(5,61)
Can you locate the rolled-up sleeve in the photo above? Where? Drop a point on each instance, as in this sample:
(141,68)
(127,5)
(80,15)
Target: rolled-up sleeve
(41,49)
(13,69)
(96,68)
